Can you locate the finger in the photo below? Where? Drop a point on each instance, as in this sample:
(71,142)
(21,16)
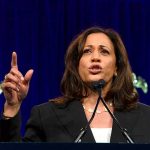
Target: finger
(12,78)
(16,72)
(9,86)
(14,60)
(28,76)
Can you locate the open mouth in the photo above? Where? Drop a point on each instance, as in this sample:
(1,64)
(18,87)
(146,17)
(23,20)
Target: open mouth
(95,69)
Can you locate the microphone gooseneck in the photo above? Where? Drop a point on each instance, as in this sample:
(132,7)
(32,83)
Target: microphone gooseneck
(123,130)
(96,85)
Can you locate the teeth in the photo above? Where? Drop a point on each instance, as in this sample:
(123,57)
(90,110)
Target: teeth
(95,67)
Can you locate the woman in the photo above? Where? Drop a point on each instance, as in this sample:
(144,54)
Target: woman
(93,55)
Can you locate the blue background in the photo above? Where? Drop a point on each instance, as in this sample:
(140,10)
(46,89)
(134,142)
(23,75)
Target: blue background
(41,30)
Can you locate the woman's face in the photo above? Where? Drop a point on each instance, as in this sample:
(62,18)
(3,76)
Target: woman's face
(98,60)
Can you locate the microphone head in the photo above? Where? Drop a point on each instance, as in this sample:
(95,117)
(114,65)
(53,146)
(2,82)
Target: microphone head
(97,85)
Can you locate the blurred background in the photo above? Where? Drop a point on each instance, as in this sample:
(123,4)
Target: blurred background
(41,30)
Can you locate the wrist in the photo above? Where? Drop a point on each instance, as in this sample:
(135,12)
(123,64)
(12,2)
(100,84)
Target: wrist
(10,111)
(4,117)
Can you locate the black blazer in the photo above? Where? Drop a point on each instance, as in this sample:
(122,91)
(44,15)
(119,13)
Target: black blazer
(62,123)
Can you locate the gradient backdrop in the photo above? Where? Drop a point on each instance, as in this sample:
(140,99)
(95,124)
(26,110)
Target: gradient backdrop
(41,30)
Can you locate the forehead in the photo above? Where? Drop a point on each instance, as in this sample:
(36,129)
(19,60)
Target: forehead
(99,39)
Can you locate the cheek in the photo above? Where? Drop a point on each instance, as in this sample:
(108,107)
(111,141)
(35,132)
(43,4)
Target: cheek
(82,67)
(111,68)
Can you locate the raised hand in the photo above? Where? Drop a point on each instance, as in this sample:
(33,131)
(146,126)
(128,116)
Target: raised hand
(15,87)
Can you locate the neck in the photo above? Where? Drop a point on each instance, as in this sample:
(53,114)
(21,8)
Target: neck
(93,96)
(92,99)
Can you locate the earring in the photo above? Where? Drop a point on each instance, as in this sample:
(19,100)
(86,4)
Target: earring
(115,74)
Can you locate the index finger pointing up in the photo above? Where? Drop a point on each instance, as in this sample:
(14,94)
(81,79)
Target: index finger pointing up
(14,60)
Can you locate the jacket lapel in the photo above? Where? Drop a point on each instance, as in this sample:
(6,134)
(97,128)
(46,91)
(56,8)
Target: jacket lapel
(73,119)
(127,120)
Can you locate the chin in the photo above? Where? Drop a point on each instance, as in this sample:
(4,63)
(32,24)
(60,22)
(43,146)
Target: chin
(94,79)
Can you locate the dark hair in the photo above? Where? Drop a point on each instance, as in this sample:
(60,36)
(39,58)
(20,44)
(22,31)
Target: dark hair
(122,90)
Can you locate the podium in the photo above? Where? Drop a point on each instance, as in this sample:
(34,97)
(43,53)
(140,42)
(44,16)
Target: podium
(73,146)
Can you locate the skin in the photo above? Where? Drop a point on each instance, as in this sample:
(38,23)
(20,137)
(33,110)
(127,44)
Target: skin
(98,62)
(15,87)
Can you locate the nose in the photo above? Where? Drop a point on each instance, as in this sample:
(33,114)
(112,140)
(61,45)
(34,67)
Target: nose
(95,57)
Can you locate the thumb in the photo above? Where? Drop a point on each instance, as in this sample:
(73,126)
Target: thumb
(28,76)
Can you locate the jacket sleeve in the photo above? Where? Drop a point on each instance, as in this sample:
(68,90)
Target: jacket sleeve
(10,129)
(34,130)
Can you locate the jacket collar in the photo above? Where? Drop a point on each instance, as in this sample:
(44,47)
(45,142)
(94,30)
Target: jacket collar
(73,119)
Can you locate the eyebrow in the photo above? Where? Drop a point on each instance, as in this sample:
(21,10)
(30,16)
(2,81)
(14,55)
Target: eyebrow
(101,46)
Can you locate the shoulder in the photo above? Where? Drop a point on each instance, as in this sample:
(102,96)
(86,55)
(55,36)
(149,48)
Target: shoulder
(44,111)
(55,104)
(51,111)
(141,110)
(143,107)
(50,103)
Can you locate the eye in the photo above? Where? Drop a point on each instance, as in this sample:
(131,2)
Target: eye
(87,50)
(104,51)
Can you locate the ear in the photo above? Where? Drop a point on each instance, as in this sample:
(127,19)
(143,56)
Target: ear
(115,73)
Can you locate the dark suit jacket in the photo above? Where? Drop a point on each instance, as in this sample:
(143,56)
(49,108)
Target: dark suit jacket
(61,123)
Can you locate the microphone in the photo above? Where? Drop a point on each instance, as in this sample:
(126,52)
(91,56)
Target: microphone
(95,85)
(124,131)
